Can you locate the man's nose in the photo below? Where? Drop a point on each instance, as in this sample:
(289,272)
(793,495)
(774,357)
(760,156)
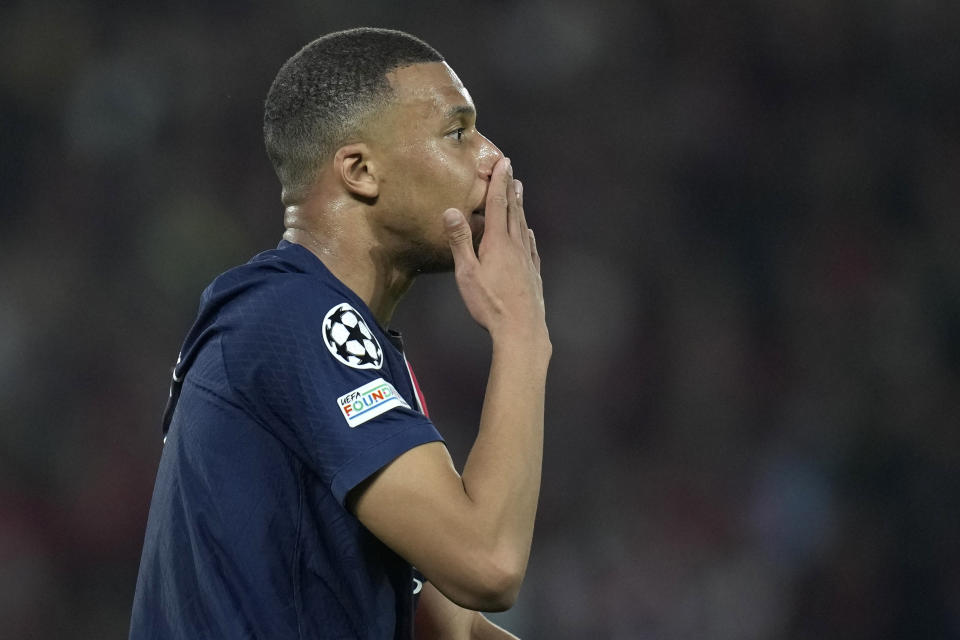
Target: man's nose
(489,156)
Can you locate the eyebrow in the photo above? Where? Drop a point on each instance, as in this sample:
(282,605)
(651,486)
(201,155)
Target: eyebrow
(461,110)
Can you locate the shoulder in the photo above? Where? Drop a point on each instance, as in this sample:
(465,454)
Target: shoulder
(287,283)
(284,304)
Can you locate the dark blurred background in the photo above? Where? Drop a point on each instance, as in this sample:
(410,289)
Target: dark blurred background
(748,216)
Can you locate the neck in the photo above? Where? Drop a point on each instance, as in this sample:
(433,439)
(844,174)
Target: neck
(352,253)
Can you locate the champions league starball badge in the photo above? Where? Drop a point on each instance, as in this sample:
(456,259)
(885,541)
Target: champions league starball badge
(349,338)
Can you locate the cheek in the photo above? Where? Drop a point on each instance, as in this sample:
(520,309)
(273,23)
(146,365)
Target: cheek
(432,176)
(448,179)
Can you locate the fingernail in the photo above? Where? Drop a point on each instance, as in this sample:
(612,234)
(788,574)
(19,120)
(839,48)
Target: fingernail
(518,187)
(451,217)
(509,168)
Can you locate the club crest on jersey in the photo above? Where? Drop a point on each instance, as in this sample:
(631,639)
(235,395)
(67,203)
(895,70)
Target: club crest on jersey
(349,338)
(369,401)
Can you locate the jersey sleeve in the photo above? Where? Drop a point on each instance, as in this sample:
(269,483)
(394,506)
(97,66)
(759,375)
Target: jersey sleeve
(310,369)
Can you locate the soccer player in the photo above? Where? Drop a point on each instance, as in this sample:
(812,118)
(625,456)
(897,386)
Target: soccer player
(303,491)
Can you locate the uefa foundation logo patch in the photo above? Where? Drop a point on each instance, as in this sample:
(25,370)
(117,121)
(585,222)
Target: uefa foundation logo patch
(369,401)
(349,338)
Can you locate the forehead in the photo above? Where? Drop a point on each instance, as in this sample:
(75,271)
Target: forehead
(428,90)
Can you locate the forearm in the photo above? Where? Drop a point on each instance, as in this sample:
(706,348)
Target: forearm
(470,534)
(440,619)
(502,472)
(483,629)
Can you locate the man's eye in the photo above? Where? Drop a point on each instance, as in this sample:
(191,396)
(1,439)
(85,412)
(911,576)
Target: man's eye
(458,133)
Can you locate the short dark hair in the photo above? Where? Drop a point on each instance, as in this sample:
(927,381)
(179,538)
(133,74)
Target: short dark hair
(326,91)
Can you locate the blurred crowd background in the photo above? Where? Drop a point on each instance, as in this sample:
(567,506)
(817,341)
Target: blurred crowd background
(748,217)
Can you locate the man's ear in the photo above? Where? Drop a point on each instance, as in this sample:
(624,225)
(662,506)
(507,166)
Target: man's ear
(354,166)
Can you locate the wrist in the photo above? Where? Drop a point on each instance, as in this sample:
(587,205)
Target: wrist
(531,343)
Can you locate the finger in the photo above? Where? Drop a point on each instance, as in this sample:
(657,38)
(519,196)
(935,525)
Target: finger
(460,237)
(520,214)
(495,213)
(514,228)
(534,254)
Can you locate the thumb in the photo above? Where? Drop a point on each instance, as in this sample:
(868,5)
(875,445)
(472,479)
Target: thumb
(459,236)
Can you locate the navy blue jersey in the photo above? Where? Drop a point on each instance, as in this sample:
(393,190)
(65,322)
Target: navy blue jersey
(286,396)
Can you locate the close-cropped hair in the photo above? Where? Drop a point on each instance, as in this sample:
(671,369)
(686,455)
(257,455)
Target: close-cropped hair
(323,95)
